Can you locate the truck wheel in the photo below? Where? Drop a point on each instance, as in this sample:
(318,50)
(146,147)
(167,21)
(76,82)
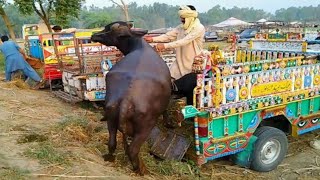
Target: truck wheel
(269,150)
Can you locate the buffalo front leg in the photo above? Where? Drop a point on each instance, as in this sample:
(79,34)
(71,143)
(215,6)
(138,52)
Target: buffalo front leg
(112,144)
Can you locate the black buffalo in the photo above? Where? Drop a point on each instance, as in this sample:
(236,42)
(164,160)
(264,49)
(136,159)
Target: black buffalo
(138,90)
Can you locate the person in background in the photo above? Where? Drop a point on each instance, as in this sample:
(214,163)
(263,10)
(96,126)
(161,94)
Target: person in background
(14,61)
(187,39)
(58,29)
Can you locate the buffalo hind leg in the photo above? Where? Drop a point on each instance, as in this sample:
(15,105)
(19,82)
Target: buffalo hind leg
(134,149)
(112,144)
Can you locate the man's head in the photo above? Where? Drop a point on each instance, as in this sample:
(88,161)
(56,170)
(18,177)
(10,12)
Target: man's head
(183,19)
(57,28)
(4,38)
(114,32)
(189,17)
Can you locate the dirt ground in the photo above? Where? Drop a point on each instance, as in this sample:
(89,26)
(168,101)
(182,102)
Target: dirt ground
(42,137)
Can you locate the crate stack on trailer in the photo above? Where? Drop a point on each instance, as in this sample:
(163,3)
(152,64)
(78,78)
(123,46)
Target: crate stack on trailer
(81,63)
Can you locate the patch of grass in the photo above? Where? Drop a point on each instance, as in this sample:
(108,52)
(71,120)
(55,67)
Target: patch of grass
(187,170)
(73,121)
(13,174)
(2,64)
(46,153)
(80,131)
(33,137)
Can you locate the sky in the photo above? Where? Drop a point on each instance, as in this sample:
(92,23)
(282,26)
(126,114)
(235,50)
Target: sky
(204,5)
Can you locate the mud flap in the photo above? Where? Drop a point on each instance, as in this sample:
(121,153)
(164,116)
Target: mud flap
(243,158)
(168,145)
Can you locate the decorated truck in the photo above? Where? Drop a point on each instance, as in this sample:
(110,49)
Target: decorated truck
(39,48)
(246,105)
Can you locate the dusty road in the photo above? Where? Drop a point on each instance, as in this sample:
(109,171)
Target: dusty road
(42,137)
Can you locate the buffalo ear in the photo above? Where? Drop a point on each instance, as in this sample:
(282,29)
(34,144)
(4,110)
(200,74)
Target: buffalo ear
(115,27)
(130,25)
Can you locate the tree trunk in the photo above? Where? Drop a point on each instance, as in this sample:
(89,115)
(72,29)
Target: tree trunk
(46,21)
(126,12)
(8,23)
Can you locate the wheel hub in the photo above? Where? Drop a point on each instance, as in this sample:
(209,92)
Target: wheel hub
(270,151)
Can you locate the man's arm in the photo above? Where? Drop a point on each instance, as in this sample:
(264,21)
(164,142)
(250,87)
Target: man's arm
(20,50)
(169,36)
(186,40)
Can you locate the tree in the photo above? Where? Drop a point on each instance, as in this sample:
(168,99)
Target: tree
(96,19)
(6,20)
(124,8)
(58,10)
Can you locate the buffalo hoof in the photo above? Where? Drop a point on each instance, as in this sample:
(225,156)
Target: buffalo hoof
(142,170)
(109,157)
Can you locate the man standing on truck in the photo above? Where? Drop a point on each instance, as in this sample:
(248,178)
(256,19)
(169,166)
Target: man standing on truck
(14,61)
(187,39)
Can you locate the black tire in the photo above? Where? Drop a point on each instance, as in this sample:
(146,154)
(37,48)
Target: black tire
(269,139)
(260,130)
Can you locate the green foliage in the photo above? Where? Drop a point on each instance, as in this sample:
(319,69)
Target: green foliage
(17,19)
(96,19)
(304,14)
(59,10)
(65,9)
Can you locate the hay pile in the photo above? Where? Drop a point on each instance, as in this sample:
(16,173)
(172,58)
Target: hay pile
(79,131)
(17,83)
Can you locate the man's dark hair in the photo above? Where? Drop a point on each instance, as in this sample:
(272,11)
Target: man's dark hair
(56,28)
(191,7)
(4,38)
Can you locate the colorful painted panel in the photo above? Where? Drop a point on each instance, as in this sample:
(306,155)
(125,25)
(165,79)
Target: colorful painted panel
(95,95)
(214,149)
(279,46)
(306,124)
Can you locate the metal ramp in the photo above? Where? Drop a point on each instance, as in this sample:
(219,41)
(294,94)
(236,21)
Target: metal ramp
(67,97)
(168,145)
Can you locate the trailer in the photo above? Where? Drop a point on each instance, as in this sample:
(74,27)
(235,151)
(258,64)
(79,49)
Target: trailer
(84,65)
